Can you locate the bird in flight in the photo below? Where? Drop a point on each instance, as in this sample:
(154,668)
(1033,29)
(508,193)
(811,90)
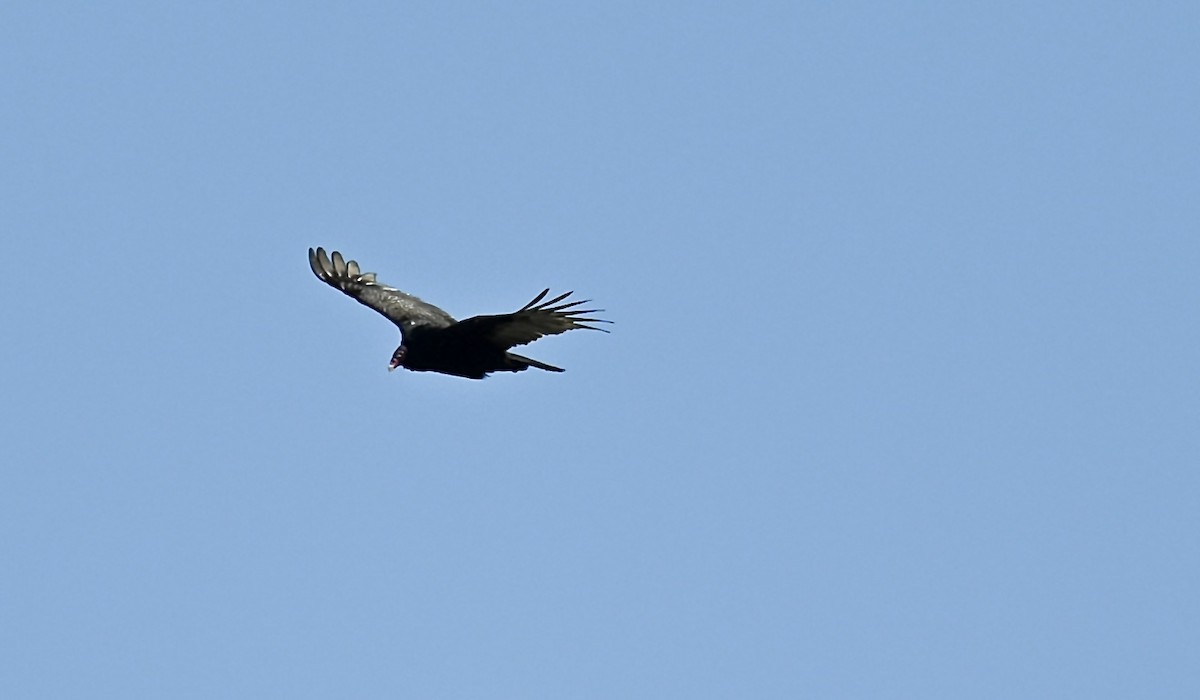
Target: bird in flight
(432,341)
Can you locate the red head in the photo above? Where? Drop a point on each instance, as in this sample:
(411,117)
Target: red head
(397,358)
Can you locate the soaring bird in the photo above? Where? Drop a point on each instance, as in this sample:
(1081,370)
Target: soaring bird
(432,341)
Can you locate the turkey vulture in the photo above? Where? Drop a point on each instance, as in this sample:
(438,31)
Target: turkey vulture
(432,341)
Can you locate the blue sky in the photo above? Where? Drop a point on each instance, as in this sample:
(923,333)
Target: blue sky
(901,399)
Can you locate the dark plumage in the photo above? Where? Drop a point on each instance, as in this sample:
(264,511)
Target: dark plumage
(432,341)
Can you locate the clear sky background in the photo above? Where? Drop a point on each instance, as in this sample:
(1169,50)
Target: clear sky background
(901,399)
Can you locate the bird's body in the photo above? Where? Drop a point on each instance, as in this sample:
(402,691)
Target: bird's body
(433,341)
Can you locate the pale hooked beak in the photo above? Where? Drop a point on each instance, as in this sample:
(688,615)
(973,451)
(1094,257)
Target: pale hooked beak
(393,365)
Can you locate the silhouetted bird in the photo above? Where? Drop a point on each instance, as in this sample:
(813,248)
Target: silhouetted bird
(432,341)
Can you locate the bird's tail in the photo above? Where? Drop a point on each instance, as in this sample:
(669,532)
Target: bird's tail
(518,363)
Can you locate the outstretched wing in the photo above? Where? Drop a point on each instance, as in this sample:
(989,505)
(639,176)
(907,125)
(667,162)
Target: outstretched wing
(531,322)
(402,309)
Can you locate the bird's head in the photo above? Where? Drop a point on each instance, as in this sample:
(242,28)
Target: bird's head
(397,358)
